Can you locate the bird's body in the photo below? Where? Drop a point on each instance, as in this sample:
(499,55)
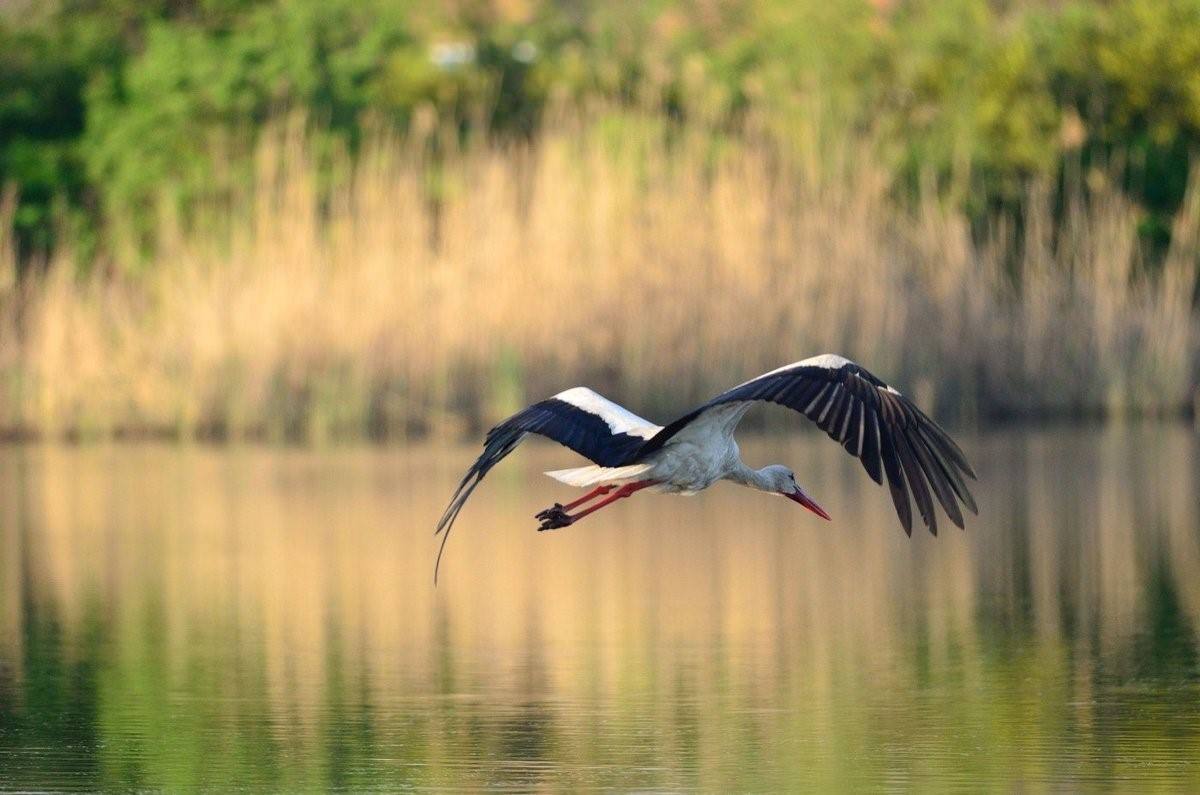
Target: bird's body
(873,421)
(694,460)
(702,453)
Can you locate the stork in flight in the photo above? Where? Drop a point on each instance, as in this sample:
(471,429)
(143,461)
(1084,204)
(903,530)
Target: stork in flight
(875,423)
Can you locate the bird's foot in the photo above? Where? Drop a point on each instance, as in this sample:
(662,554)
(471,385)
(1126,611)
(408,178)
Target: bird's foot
(558,506)
(554,518)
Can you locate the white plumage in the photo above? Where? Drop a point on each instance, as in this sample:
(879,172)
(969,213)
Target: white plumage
(592,475)
(618,418)
(870,419)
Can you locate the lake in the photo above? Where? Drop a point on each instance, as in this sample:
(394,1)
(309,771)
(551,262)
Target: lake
(185,617)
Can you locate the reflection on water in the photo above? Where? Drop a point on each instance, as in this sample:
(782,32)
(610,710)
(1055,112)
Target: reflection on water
(182,617)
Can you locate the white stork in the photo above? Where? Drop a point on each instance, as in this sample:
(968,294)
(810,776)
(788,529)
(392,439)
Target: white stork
(874,422)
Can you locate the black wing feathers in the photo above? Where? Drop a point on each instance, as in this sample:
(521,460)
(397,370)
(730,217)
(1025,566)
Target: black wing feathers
(874,423)
(895,479)
(584,432)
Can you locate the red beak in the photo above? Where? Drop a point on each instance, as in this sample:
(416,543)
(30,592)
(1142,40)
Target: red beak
(803,499)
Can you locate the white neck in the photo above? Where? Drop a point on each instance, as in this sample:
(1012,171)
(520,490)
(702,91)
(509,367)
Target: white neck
(754,478)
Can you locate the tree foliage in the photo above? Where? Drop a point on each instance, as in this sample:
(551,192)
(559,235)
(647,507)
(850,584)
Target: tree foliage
(107,106)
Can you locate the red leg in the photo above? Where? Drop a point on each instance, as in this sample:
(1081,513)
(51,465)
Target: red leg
(559,509)
(599,491)
(624,491)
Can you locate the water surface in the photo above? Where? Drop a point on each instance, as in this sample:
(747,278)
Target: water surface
(184,617)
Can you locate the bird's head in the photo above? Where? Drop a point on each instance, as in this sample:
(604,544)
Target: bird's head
(782,481)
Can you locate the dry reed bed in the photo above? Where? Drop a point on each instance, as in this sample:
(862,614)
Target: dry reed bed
(655,274)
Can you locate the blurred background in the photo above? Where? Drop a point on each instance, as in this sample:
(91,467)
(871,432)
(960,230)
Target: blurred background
(269,267)
(358,218)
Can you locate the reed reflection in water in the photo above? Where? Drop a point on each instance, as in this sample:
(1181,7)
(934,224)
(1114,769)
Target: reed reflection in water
(188,616)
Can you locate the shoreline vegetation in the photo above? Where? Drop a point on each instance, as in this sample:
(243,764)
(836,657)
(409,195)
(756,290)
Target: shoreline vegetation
(313,220)
(428,286)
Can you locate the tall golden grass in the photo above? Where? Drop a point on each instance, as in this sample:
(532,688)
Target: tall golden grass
(656,271)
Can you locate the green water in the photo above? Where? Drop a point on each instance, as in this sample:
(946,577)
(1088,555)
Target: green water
(210,618)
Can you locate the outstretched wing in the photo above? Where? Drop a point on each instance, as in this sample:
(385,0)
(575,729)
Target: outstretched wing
(578,418)
(874,422)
